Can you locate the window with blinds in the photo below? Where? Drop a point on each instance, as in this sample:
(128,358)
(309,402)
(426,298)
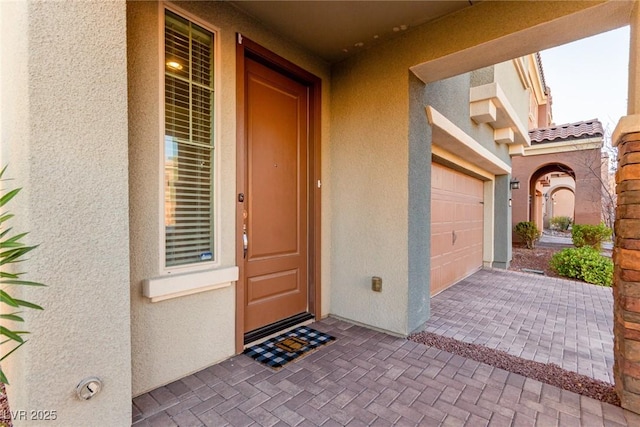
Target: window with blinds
(188,142)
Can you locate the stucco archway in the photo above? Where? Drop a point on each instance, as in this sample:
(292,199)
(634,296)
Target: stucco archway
(538,196)
(559,202)
(578,166)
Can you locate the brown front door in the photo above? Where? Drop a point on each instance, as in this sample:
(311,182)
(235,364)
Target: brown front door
(275,217)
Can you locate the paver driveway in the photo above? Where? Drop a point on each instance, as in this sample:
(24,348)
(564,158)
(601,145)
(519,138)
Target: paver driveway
(368,378)
(536,317)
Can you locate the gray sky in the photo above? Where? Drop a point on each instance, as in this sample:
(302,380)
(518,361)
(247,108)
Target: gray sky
(588,78)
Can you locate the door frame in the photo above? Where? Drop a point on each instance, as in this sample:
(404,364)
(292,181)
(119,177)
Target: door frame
(247,48)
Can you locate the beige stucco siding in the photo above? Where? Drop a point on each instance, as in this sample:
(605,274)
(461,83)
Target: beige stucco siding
(451,98)
(507,77)
(178,336)
(369,170)
(64,137)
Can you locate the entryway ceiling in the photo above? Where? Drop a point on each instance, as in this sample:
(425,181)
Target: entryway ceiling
(335,30)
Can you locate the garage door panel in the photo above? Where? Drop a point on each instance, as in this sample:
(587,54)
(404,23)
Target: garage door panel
(442,239)
(439,211)
(456,226)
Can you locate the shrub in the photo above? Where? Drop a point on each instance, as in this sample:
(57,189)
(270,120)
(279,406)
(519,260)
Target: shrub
(583,263)
(560,223)
(12,251)
(528,233)
(590,235)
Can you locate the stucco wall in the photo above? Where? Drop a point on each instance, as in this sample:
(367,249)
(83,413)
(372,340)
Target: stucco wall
(561,190)
(451,98)
(507,77)
(176,337)
(482,76)
(64,135)
(419,247)
(369,173)
(503,213)
(562,203)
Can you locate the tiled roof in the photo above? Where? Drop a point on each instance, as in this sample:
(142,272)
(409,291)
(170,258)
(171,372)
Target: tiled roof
(541,70)
(569,131)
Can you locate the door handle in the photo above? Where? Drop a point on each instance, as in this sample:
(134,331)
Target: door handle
(245,241)
(454,237)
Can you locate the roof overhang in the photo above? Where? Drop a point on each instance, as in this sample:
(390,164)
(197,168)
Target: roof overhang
(335,30)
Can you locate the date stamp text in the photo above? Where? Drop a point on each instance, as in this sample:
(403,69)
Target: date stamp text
(29,415)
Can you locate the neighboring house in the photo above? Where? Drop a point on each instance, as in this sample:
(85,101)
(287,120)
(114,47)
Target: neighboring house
(561,174)
(478,122)
(200,174)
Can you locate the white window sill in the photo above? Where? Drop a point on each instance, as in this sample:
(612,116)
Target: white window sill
(178,285)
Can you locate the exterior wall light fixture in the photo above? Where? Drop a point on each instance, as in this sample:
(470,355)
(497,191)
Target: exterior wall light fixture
(514,184)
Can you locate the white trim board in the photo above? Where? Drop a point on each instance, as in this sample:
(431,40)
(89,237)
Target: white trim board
(177,285)
(450,137)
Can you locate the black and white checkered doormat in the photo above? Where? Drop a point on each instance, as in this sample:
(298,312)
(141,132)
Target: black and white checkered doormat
(278,351)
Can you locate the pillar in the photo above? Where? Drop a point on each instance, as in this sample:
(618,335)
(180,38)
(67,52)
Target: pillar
(64,129)
(502,231)
(626,288)
(626,256)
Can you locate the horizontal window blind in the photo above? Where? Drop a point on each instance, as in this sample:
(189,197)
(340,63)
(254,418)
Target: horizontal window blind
(188,145)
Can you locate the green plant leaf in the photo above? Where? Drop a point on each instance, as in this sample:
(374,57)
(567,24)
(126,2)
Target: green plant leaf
(14,255)
(8,244)
(10,195)
(12,251)
(12,350)
(13,242)
(18,282)
(3,378)
(6,298)
(28,304)
(5,232)
(5,275)
(12,316)
(5,217)
(20,251)
(14,335)
(17,237)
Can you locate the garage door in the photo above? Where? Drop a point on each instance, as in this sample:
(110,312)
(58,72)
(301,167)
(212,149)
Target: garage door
(456,226)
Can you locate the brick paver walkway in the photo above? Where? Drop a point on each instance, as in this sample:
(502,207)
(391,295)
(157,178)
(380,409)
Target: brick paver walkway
(368,378)
(535,317)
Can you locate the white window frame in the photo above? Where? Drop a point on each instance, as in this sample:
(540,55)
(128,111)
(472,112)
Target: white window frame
(215,161)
